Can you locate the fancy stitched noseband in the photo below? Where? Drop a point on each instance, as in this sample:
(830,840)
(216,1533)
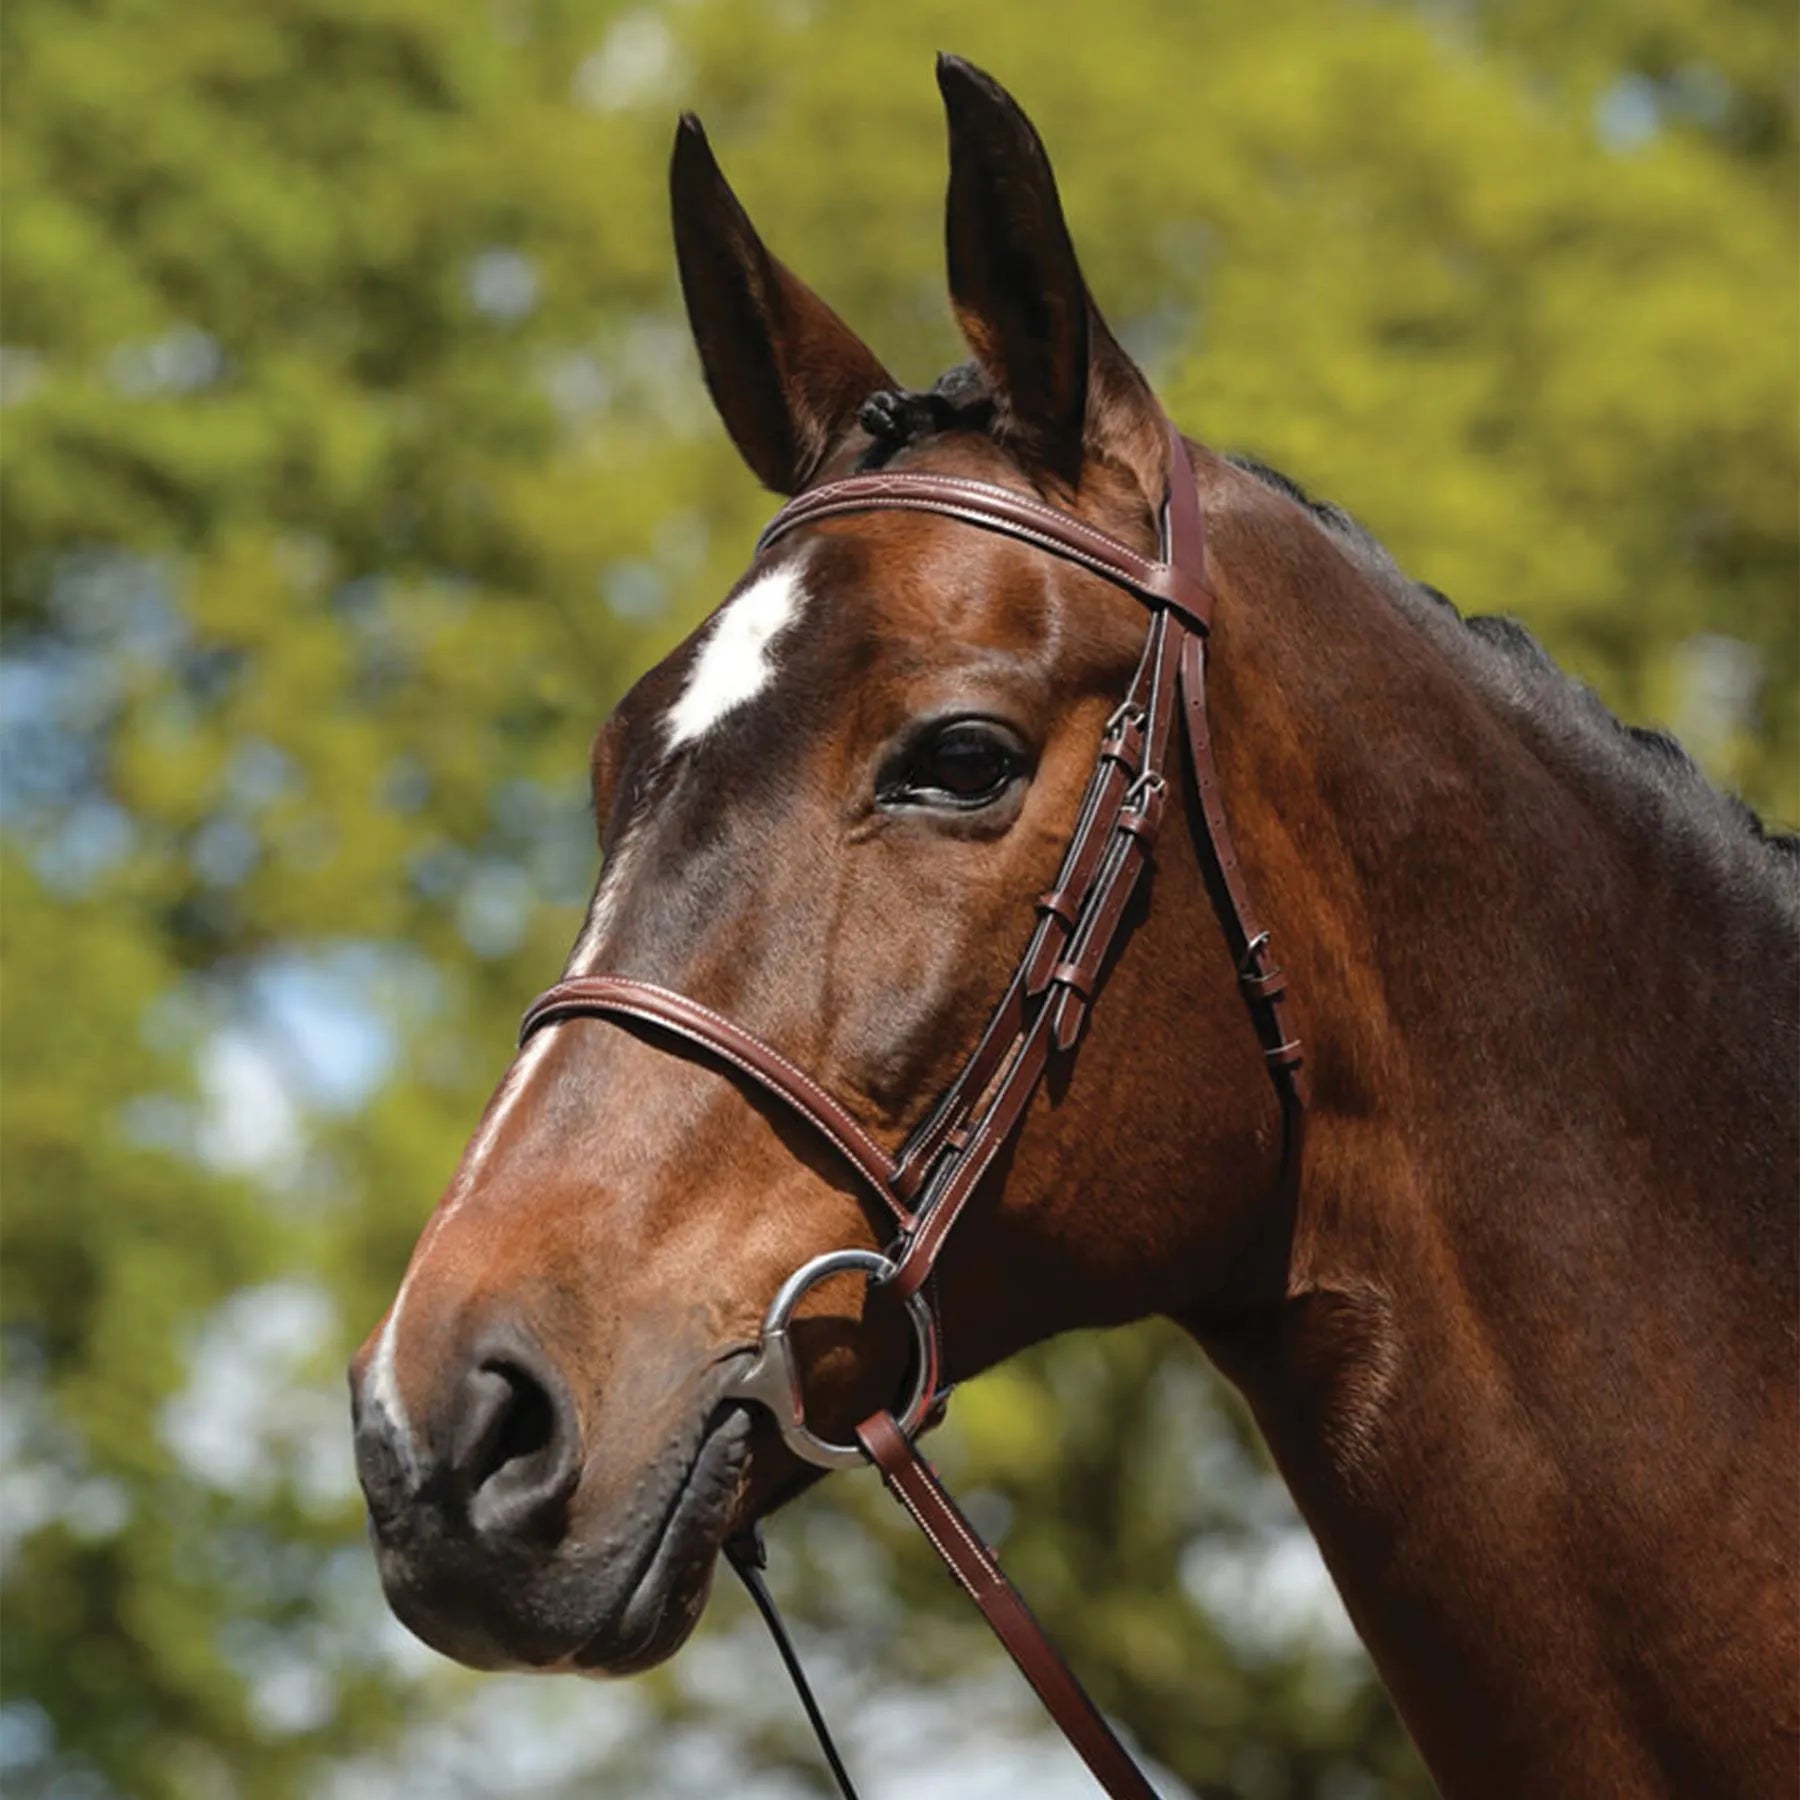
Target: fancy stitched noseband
(926,1184)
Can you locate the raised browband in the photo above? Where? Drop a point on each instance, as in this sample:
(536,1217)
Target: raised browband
(1180,586)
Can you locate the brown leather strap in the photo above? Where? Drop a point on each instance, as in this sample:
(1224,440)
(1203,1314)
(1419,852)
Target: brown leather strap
(1175,583)
(958,1101)
(914,1484)
(1119,763)
(1108,852)
(1263,986)
(731,1043)
(969,1156)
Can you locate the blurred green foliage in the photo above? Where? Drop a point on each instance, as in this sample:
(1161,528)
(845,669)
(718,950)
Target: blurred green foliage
(355,461)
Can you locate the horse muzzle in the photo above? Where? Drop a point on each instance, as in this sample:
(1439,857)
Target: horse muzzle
(501,1546)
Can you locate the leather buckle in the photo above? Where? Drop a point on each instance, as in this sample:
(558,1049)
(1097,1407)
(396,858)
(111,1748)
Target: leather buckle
(1117,740)
(1146,791)
(1140,812)
(1257,982)
(1126,713)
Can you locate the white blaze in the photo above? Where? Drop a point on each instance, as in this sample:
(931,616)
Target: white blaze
(384,1387)
(734,664)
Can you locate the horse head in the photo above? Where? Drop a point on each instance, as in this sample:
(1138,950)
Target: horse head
(828,816)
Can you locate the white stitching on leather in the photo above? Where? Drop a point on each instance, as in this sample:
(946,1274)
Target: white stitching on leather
(924,1524)
(598,993)
(950,1515)
(1097,552)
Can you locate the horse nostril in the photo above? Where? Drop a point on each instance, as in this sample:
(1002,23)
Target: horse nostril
(506,1416)
(515,1451)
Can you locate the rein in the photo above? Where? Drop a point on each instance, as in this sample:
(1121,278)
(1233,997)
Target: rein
(926,1185)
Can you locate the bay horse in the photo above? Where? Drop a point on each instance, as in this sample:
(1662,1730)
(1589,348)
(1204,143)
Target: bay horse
(1520,1325)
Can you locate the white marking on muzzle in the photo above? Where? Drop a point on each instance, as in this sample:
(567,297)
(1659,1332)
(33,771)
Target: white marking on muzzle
(383,1387)
(734,664)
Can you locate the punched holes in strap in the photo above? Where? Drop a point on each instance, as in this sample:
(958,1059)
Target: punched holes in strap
(1139,816)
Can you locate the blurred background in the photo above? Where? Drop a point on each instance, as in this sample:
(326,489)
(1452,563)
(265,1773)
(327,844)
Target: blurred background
(356,459)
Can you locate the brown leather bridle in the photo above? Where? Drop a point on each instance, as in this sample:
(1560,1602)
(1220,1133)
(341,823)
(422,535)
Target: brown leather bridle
(926,1185)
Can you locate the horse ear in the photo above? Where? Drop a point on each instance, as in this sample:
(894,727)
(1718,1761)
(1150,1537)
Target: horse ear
(1063,388)
(786,373)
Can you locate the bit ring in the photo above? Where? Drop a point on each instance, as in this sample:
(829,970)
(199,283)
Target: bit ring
(773,1378)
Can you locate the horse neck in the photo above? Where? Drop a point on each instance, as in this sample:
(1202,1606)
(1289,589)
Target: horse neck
(1530,1371)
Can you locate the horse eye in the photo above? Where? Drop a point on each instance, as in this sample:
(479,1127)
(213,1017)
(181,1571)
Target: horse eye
(965,764)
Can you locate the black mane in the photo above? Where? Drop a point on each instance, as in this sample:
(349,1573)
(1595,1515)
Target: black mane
(1531,676)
